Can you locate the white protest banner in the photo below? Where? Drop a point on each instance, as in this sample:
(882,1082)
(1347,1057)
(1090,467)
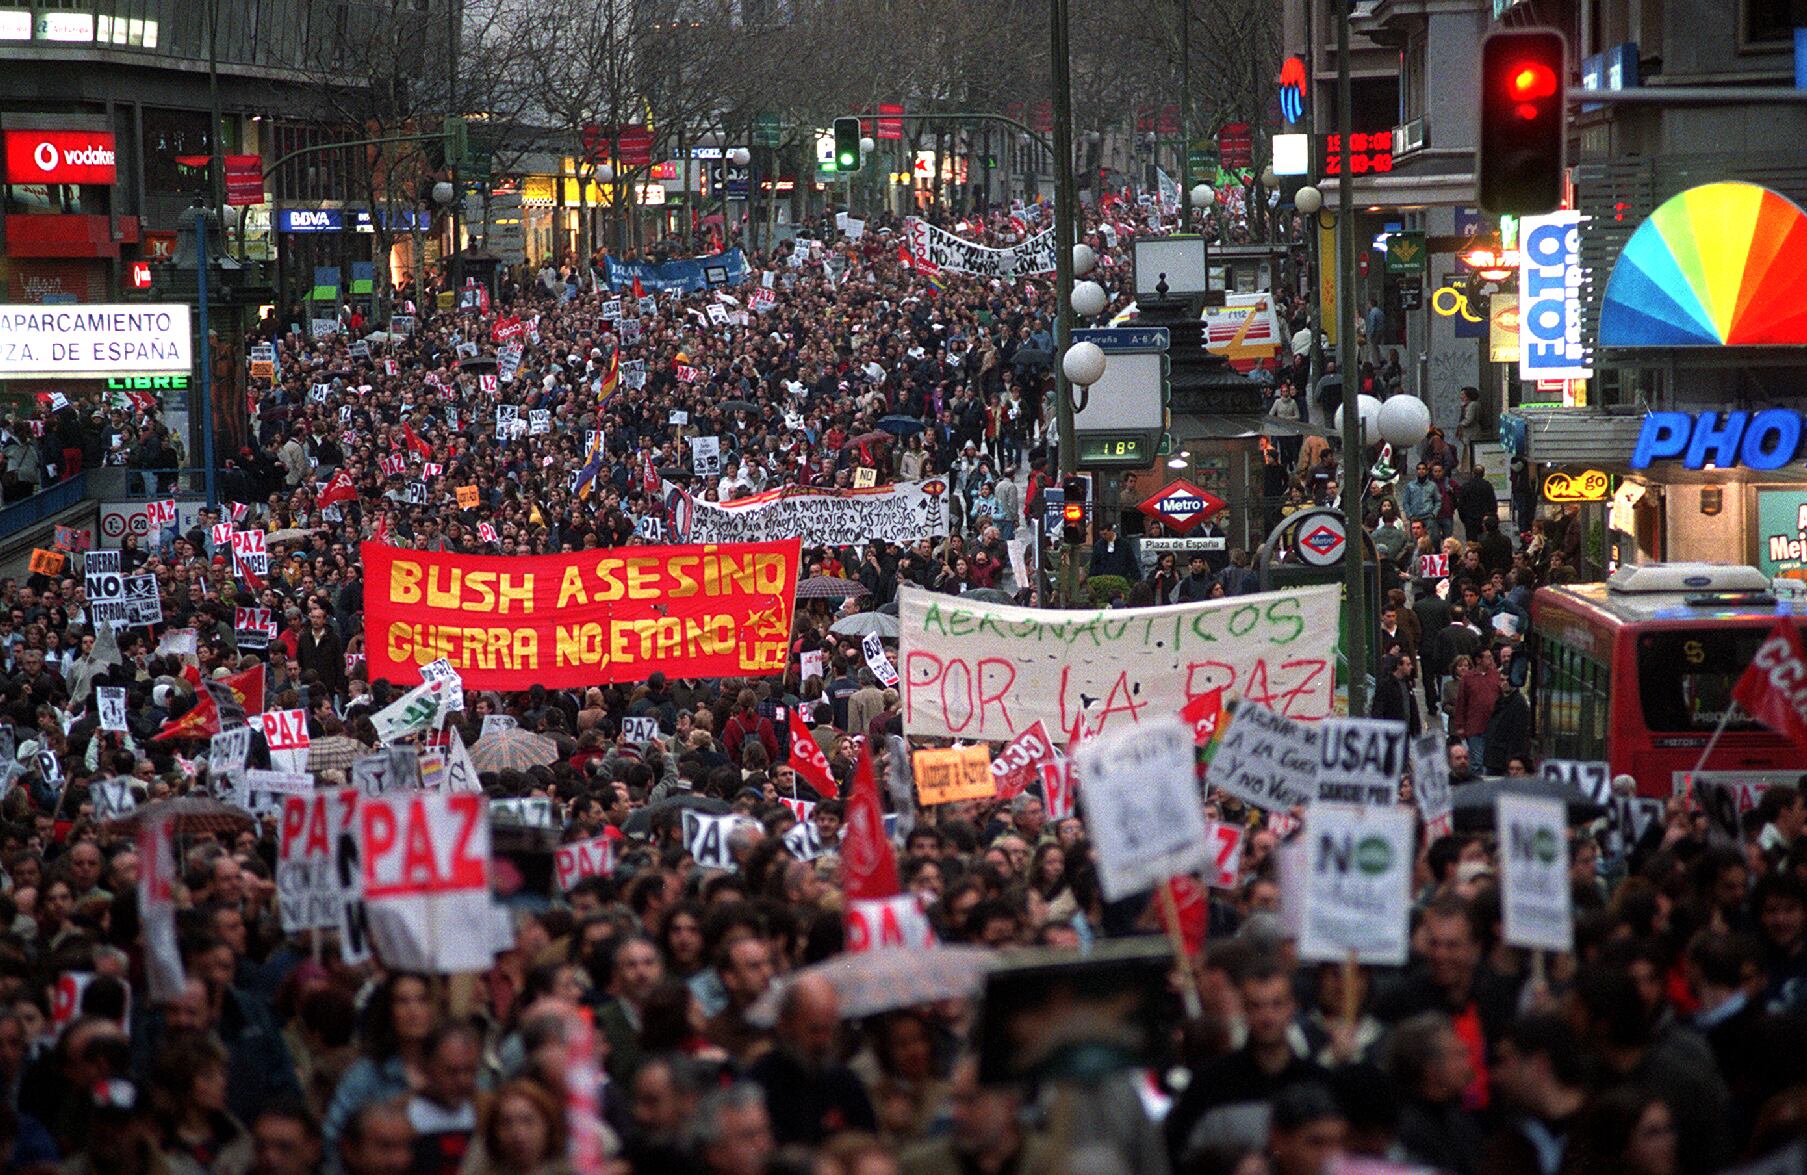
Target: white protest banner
(1357,884)
(706,839)
(1224,842)
(1535,898)
(307,859)
(900,513)
(802,840)
(441,670)
(633,374)
(249,551)
(1266,760)
(1142,806)
(1019,764)
(935,248)
(286,732)
(386,769)
(810,664)
(888,924)
(1433,566)
(640,728)
(1430,781)
(878,661)
(252,627)
(105,590)
(585,858)
(1592,779)
(495,722)
(109,702)
(112,798)
(227,753)
(987,671)
(157,911)
(411,713)
(706,456)
(426,880)
(178,642)
(1360,761)
(160,514)
(539,420)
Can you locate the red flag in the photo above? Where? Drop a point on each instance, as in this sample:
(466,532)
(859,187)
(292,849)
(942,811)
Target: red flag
(191,673)
(1191,905)
(1204,714)
(248,687)
(868,864)
(338,489)
(639,290)
(808,760)
(1773,689)
(203,721)
(415,442)
(379,533)
(243,570)
(649,476)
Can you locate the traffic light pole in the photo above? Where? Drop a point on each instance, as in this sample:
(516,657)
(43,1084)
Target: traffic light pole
(1355,472)
(1065,237)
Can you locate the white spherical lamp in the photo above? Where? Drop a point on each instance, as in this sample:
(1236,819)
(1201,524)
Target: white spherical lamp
(1089,299)
(1369,409)
(1083,364)
(443,193)
(605,174)
(1203,196)
(867,144)
(1084,260)
(740,156)
(1404,421)
(1308,200)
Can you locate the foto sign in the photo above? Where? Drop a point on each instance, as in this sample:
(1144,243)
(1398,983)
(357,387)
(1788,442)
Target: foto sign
(1550,280)
(95,340)
(1182,505)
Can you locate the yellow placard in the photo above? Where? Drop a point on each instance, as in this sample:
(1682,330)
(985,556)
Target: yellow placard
(1327,311)
(947,774)
(467,497)
(864,478)
(47,562)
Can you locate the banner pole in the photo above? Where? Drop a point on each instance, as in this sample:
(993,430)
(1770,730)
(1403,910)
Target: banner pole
(1701,763)
(1189,989)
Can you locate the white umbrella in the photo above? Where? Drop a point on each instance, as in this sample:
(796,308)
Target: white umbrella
(862,623)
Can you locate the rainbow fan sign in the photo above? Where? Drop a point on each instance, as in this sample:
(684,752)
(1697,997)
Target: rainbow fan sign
(1723,264)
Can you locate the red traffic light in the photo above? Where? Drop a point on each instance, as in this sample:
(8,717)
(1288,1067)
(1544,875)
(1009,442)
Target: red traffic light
(1523,126)
(1528,81)
(1072,511)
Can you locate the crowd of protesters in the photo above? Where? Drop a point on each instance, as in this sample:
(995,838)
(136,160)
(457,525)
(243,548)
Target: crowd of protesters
(1666,1043)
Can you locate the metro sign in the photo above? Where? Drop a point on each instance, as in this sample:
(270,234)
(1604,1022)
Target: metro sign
(1322,541)
(1181,506)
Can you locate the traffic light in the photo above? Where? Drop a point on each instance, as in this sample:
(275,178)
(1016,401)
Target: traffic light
(1524,128)
(1073,509)
(846,144)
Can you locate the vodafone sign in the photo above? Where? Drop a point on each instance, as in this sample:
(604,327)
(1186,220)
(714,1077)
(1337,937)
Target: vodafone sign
(60,157)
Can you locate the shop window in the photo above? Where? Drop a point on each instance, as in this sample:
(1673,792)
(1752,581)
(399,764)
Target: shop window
(167,134)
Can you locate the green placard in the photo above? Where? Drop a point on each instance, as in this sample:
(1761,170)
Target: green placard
(1406,252)
(1201,160)
(768,131)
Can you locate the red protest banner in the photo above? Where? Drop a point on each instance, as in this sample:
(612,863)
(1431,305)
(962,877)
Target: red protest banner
(505,622)
(1773,690)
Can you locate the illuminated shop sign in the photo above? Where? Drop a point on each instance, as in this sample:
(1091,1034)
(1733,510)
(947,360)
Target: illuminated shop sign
(1762,440)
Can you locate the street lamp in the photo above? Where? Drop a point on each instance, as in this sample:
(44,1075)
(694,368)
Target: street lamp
(1083,364)
(1203,196)
(1089,299)
(1308,200)
(605,174)
(1404,420)
(740,157)
(867,145)
(1084,260)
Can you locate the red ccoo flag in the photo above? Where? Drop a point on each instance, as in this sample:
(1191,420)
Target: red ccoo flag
(1773,689)
(248,687)
(338,489)
(415,442)
(868,864)
(808,761)
(202,721)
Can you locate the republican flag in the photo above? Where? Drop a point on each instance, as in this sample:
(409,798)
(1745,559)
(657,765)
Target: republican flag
(202,721)
(611,379)
(338,489)
(649,476)
(1204,714)
(808,760)
(1773,690)
(414,440)
(868,863)
(592,468)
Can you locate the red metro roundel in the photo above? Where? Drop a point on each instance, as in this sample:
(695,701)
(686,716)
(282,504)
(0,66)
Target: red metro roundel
(1180,505)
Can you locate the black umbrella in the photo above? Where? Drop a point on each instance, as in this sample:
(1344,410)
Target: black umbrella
(1474,802)
(738,406)
(902,426)
(640,823)
(476,363)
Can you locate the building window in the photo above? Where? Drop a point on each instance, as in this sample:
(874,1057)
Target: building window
(1772,22)
(167,134)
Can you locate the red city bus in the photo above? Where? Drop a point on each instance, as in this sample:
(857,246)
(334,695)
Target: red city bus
(1638,671)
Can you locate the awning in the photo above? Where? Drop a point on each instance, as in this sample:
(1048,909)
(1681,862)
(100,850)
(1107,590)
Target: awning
(1230,426)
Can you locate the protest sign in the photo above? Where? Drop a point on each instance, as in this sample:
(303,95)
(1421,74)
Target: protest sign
(810,664)
(307,865)
(1430,780)
(539,421)
(802,840)
(157,911)
(426,880)
(900,513)
(946,774)
(1535,897)
(252,627)
(865,477)
(66,1000)
(580,859)
(411,713)
(873,646)
(570,621)
(452,699)
(227,753)
(250,552)
(527,812)
(112,798)
(986,671)
(494,722)
(286,732)
(1223,843)
(109,702)
(1628,819)
(101,560)
(706,456)
(1266,759)
(261,792)
(1360,761)
(468,497)
(105,589)
(706,839)
(888,924)
(1141,805)
(160,514)
(143,603)
(1433,566)
(1019,764)
(1593,780)
(43,562)
(935,248)
(640,728)
(1357,884)
(1059,788)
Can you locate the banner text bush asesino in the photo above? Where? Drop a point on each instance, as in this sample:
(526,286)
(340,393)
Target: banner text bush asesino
(608,615)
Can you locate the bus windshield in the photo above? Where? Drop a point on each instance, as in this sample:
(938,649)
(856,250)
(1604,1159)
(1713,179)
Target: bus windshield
(1685,676)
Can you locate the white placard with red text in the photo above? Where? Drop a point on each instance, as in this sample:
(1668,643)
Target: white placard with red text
(286,732)
(888,924)
(581,859)
(426,879)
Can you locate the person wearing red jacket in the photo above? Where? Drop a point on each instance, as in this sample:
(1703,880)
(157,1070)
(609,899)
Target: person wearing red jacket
(746,723)
(1475,698)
